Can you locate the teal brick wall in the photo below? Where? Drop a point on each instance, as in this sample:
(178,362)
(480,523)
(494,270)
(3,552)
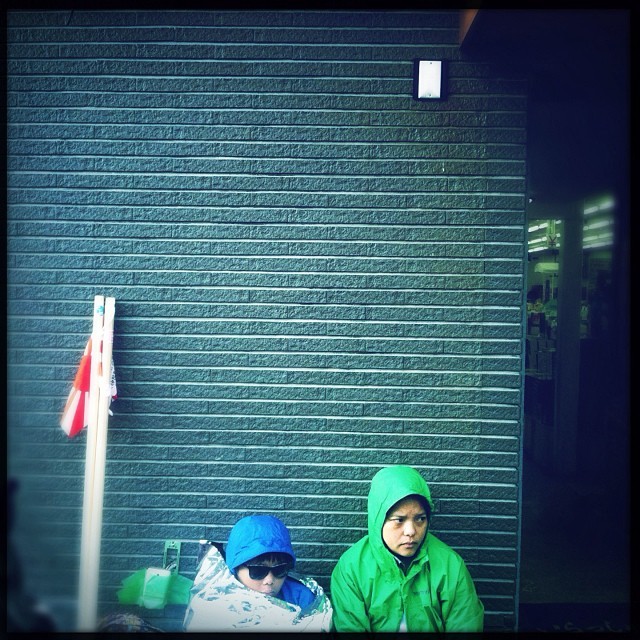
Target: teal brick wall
(315,276)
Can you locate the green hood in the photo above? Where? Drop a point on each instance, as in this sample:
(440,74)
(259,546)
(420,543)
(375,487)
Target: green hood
(371,590)
(387,487)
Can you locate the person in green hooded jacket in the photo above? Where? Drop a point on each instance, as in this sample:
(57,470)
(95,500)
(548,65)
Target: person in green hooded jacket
(400,577)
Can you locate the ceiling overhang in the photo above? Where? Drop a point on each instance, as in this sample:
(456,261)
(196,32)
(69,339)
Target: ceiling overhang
(567,54)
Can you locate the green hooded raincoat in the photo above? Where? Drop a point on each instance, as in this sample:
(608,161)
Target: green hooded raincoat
(371,592)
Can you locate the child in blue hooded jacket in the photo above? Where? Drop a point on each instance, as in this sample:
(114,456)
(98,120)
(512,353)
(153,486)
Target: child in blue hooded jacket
(254,586)
(260,555)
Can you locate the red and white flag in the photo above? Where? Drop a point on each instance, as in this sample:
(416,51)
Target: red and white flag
(75,416)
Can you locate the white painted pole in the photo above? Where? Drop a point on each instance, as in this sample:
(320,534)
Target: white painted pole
(85,619)
(100,396)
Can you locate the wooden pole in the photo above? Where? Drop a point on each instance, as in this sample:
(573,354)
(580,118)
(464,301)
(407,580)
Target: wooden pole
(99,399)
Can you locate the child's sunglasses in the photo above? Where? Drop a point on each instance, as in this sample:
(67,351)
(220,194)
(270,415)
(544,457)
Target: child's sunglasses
(260,571)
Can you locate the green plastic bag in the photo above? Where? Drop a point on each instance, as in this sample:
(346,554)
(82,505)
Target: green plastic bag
(154,588)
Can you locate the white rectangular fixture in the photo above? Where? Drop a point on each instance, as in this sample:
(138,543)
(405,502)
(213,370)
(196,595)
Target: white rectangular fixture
(428,80)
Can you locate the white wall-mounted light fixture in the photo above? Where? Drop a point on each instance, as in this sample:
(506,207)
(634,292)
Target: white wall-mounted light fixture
(428,80)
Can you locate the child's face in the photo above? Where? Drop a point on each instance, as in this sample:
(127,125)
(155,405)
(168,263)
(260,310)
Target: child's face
(265,576)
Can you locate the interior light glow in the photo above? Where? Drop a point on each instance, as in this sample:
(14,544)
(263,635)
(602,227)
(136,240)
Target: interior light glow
(598,236)
(595,245)
(603,205)
(598,225)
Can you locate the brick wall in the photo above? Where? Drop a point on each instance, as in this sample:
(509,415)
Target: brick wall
(315,276)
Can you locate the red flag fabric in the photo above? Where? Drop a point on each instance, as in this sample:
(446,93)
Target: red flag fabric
(75,416)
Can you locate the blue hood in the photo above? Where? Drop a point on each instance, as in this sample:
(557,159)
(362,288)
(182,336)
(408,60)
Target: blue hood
(254,535)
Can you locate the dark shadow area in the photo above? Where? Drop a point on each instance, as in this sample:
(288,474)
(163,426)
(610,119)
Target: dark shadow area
(575,572)
(576,490)
(574,617)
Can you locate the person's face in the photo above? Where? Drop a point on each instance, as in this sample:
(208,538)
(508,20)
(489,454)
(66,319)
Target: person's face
(405,527)
(263,581)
